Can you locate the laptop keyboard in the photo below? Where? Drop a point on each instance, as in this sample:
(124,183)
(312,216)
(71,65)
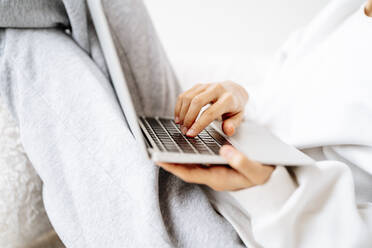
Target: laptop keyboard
(168,137)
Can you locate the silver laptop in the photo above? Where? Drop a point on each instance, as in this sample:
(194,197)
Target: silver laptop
(161,139)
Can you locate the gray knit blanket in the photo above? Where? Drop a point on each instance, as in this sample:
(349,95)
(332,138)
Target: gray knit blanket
(98,189)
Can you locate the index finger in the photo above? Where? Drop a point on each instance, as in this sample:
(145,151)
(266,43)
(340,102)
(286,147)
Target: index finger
(178,106)
(212,113)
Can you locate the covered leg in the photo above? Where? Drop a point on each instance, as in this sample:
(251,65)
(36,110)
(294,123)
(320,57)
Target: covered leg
(99,190)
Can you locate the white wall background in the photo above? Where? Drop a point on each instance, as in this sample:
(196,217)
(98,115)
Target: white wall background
(226,39)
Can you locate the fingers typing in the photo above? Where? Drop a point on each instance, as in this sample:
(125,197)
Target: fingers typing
(213,112)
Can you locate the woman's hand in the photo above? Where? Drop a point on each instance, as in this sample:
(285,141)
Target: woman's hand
(243,173)
(228,100)
(368,8)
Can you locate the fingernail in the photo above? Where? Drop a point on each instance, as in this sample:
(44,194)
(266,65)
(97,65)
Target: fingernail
(177,119)
(191,132)
(183,129)
(227,152)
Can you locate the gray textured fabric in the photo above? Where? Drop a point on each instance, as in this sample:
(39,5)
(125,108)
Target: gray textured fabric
(48,14)
(99,191)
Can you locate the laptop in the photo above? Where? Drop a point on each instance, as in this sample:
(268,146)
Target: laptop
(161,139)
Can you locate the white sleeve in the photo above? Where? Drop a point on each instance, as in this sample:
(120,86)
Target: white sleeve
(315,206)
(274,66)
(319,210)
(280,187)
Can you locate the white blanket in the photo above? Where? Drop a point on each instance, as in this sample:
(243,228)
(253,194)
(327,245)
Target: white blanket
(318,98)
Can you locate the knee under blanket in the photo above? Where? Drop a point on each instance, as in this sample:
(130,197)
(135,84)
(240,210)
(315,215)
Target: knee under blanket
(99,191)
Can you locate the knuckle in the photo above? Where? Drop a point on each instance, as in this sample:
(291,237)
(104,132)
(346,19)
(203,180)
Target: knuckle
(196,101)
(187,98)
(180,96)
(229,96)
(218,86)
(208,115)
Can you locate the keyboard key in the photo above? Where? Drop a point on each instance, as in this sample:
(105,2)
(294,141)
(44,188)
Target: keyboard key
(168,133)
(218,137)
(199,145)
(162,135)
(182,143)
(152,135)
(177,136)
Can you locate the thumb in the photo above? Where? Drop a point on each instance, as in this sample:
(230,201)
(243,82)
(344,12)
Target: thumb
(229,125)
(253,171)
